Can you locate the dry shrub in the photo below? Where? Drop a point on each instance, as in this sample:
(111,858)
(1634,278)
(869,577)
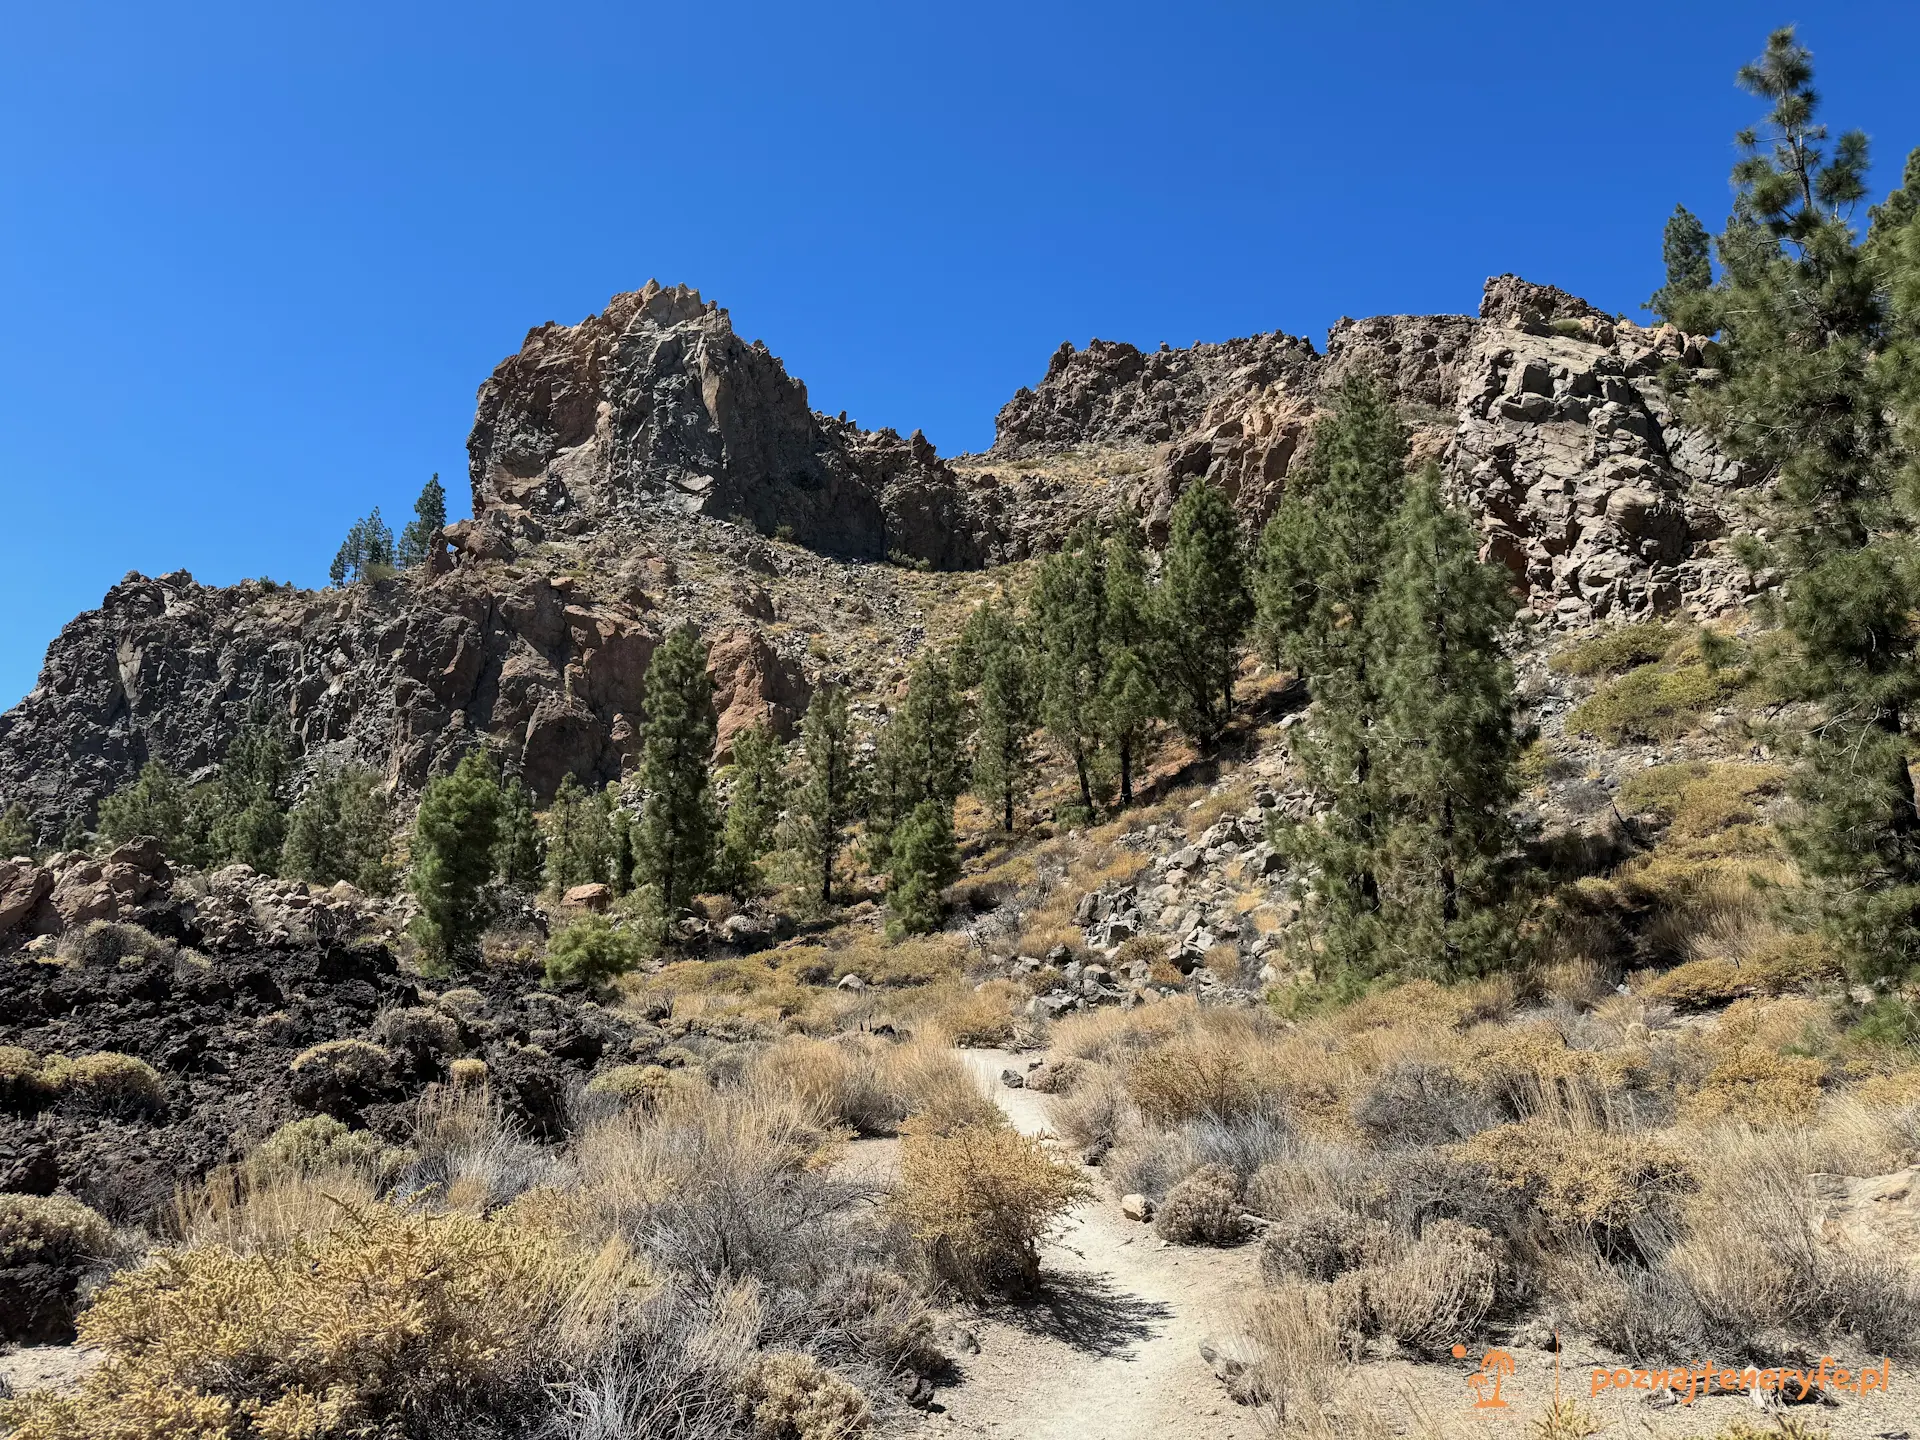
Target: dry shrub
(107,1083)
(48,1246)
(982,1017)
(422,1035)
(1092,1115)
(1195,1074)
(1594,1182)
(1614,650)
(792,1397)
(1415,1102)
(1059,1077)
(1759,1086)
(469,1154)
(1203,1209)
(109,942)
(319,1143)
(1564,1419)
(384,1321)
(1297,1342)
(1438,1292)
(468,1071)
(1223,960)
(1781,964)
(1322,1242)
(639,1087)
(1654,702)
(1108,1035)
(980,1200)
(845,1083)
(23,1086)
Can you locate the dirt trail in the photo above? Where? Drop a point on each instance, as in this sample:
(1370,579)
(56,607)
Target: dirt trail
(1113,1352)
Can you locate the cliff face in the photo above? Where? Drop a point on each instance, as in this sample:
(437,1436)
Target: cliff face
(649,440)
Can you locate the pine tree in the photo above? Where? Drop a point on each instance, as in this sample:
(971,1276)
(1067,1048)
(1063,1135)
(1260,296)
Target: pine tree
(578,839)
(1685,300)
(16,832)
(1321,562)
(340,831)
(366,553)
(622,860)
(1130,696)
(423,531)
(455,832)
(824,804)
(919,755)
(925,862)
(993,650)
(520,853)
(1204,606)
(1448,746)
(379,543)
(754,802)
(674,844)
(250,823)
(1068,598)
(1809,321)
(155,804)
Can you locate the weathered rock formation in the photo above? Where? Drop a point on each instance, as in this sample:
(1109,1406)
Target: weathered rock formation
(1552,420)
(655,404)
(608,458)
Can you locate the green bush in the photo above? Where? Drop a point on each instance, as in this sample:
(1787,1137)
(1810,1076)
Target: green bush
(47,1244)
(1613,651)
(341,1075)
(1652,703)
(109,1084)
(591,951)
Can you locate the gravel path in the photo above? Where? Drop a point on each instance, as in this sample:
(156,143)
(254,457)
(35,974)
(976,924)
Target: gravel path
(1113,1350)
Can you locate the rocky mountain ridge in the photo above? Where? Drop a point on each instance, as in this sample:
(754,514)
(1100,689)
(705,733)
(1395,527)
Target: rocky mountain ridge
(647,468)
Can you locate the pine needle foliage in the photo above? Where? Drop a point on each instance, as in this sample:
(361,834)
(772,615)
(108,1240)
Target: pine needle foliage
(674,843)
(825,803)
(1204,609)
(455,832)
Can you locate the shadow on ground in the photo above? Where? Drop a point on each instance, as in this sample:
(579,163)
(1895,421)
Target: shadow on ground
(1090,1313)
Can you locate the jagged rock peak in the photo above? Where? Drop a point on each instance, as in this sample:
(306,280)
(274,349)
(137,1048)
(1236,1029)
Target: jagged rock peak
(656,405)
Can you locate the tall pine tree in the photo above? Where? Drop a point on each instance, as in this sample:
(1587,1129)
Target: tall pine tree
(455,831)
(1204,606)
(423,531)
(1688,252)
(519,856)
(754,801)
(994,651)
(675,842)
(1067,604)
(825,802)
(1130,695)
(579,840)
(1809,321)
(1321,562)
(1447,743)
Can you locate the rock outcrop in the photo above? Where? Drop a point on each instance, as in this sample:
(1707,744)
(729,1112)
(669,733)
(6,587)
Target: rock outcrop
(1553,421)
(656,405)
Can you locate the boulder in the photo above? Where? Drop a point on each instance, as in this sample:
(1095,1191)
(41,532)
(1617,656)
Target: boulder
(22,888)
(594,896)
(1136,1207)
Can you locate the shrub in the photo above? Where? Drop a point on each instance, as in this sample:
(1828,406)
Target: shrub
(1612,651)
(981,1200)
(319,1142)
(843,1084)
(983,1017)
(1322,1242)
(1203,1209)
(792,1397)
(591,951)
(107,942)
(47,1244)
(422,1035)
(1193,1075)
(1652,703)
(1790,962)
(1414,1102)
(1439,1292)
(1596,1182)
(468,1071)
(341,1076)
(1297,1340)
(640,1087)
(23,1086)
(108,1084)
(389,1322)
(1759,1086)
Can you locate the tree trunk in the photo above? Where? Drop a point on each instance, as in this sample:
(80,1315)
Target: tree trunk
(1126,774)
(1080,769)
(1906,807)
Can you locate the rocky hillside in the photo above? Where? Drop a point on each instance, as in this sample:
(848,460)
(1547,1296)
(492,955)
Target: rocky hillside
(648,467)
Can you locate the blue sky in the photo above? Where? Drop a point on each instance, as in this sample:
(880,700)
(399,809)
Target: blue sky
(256,259)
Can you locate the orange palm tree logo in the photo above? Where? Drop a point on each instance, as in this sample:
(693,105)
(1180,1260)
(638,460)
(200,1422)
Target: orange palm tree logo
(1495,1366)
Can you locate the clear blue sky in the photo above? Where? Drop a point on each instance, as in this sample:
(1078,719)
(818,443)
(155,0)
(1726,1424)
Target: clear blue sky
(255,259)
